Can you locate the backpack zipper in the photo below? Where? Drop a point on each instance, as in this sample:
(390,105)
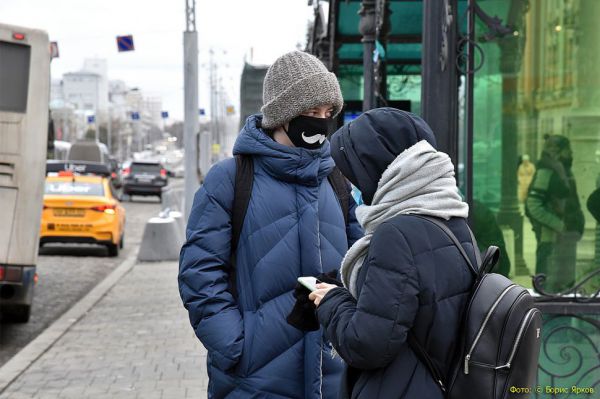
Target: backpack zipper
(518,340)
(483,325)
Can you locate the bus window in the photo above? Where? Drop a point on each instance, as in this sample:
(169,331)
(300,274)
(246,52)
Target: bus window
(14,76)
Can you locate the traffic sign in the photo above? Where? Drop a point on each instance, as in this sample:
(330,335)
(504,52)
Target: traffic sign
(164,114)
(125,43)
(91,119)
(202,112)
(230,110)
(135,116)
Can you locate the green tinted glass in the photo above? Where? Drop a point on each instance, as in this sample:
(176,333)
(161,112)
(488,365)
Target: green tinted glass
(536,152)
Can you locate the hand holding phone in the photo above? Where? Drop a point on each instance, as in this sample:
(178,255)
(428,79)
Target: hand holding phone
(309,282)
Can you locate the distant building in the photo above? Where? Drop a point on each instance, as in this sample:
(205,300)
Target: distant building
(153,109)
(83,90)
(251,88)
(99,66)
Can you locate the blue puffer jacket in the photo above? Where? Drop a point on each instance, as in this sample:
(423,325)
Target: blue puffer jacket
(413,278)
(294,227)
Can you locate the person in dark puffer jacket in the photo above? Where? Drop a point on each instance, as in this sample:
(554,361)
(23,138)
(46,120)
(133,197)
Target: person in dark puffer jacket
(405,274)
(294,226)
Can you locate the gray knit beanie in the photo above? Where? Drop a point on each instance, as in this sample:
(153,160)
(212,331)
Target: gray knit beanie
(296,82)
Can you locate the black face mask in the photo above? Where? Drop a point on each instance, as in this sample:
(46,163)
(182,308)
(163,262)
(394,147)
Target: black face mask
(308,132)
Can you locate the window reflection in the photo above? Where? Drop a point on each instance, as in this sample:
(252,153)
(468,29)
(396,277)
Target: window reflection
(536,150)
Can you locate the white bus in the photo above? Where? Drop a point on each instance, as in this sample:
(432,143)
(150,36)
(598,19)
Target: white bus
(24,98)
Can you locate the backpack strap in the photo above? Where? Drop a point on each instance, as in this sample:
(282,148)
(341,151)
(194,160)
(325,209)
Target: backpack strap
(426,360)
(244,178)
(457,243)
(340,187)
(412,340)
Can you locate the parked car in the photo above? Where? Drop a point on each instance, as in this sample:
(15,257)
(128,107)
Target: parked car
(144,178)
(82,209)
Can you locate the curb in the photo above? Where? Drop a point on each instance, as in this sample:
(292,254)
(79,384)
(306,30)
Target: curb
(19,363)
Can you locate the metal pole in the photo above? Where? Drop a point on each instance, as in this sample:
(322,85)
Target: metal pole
(367,28)
(439,75)
(213,105)
(190,127)
(109,133)
(469,87)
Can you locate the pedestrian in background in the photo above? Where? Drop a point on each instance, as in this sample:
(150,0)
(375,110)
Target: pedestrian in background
(525,176)
(294,226)
(405,274)
(555,213)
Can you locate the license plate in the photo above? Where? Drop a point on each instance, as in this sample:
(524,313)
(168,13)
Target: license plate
(73,227)
(69,212)
(144,178)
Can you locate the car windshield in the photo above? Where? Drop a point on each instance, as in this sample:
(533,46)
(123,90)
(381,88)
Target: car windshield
(73,188)
(149,168)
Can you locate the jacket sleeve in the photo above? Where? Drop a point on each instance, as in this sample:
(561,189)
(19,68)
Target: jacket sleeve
(369,332)
(204,271)
(536,201)
(354,231)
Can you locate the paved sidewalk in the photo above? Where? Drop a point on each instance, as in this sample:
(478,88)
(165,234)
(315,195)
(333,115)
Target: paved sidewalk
(136,342)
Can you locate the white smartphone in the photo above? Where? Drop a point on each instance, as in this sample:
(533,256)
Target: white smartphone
(309,282)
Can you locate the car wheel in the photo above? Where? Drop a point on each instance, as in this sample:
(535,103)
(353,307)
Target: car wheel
(17,313)
(113,250)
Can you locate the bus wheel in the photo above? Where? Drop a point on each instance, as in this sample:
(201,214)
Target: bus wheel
(17,313)
(113,249)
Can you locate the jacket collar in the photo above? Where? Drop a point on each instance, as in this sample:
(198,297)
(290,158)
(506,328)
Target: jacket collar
(290,164)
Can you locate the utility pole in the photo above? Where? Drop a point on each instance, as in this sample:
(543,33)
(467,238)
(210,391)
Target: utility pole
(190,127)
(213,105)
(109,132)
(368,29)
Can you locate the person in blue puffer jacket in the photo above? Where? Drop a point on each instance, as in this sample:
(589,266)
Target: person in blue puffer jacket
(294,226)
(405,275)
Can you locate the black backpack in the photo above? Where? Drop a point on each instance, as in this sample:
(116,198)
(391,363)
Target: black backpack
(500,334)
(244,178)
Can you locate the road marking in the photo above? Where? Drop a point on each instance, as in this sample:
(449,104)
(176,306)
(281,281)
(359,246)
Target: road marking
(19,363)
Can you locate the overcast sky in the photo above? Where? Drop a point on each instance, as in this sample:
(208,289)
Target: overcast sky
(88,29)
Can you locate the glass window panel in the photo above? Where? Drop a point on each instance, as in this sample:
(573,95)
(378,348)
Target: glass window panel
(405,87)
(536,152)
(351,81)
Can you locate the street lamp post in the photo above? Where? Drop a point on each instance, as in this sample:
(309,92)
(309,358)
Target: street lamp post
(368,29)
(190,128)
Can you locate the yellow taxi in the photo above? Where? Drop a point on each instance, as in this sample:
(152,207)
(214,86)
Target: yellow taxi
(82,209)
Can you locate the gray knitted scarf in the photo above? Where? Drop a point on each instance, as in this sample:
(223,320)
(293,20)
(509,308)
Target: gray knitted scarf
(419,181)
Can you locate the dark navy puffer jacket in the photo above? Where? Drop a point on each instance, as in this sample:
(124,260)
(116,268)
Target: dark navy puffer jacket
(294,227)
(413,278)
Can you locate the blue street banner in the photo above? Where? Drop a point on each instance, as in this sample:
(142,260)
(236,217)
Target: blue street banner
(125,43)
(91,119)
(164,114)
(202,112)
(135,116)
